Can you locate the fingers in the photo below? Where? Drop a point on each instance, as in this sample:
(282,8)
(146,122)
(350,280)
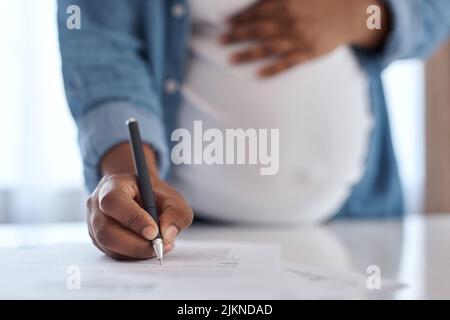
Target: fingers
(276,47)
(253,31)
(120,228)
(118,242)
(175,213)
(118,256)
(117,201)
(289,52)
(285,63)
(114,238)
(262,10)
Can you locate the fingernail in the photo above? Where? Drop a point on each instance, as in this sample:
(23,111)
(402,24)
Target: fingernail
(170,233)
(149,233)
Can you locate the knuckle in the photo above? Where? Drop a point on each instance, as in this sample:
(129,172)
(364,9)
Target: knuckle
(134,221)
(95,220)
(89,209)
(89,202)
(103,236)
(109,200)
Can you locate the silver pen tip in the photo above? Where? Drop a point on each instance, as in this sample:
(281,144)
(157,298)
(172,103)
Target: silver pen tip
(160,262)
(158,247)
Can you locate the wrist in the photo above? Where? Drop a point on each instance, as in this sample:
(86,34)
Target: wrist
(119,160)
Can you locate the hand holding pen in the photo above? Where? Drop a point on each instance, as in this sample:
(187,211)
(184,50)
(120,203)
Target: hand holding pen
(118,225)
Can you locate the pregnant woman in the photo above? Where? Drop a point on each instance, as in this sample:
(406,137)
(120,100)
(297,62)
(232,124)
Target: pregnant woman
(309,69)
(320,108)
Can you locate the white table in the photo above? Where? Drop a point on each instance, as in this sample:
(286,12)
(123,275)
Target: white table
(415,251)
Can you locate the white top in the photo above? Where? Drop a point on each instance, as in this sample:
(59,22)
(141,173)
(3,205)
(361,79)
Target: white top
(320,108)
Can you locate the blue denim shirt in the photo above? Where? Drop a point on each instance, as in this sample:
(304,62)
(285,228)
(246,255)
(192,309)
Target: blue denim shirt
(128,56)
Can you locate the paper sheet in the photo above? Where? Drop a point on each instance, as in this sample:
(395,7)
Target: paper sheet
(306,282)
(192,271)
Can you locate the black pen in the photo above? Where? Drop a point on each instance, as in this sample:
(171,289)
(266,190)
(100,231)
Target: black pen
(144,183)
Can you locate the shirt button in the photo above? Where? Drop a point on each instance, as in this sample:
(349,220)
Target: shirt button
(171,86)
(178,10)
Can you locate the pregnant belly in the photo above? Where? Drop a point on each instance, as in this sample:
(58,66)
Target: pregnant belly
(322,113)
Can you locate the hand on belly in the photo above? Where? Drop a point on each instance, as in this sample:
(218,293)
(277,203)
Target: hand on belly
(297,31)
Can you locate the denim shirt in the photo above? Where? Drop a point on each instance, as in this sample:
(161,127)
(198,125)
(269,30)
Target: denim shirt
(128,60)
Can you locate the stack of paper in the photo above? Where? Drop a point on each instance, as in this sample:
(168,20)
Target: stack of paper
(193,270)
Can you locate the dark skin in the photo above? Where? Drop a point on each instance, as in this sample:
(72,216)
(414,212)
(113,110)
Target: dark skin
(117,224)
(297,31)
(291,31)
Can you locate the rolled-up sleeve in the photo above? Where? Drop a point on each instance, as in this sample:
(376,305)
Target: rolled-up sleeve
(417,27)
(108,79)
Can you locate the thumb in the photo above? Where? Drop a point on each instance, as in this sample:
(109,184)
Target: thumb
(118,204)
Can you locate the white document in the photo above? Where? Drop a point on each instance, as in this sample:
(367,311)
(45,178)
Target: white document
(305,282)
(193,270)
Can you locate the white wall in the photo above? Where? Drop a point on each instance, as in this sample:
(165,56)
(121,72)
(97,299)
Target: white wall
(405,94)
(40,164)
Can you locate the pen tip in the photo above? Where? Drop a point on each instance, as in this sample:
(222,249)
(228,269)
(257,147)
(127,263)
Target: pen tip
(160,262)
